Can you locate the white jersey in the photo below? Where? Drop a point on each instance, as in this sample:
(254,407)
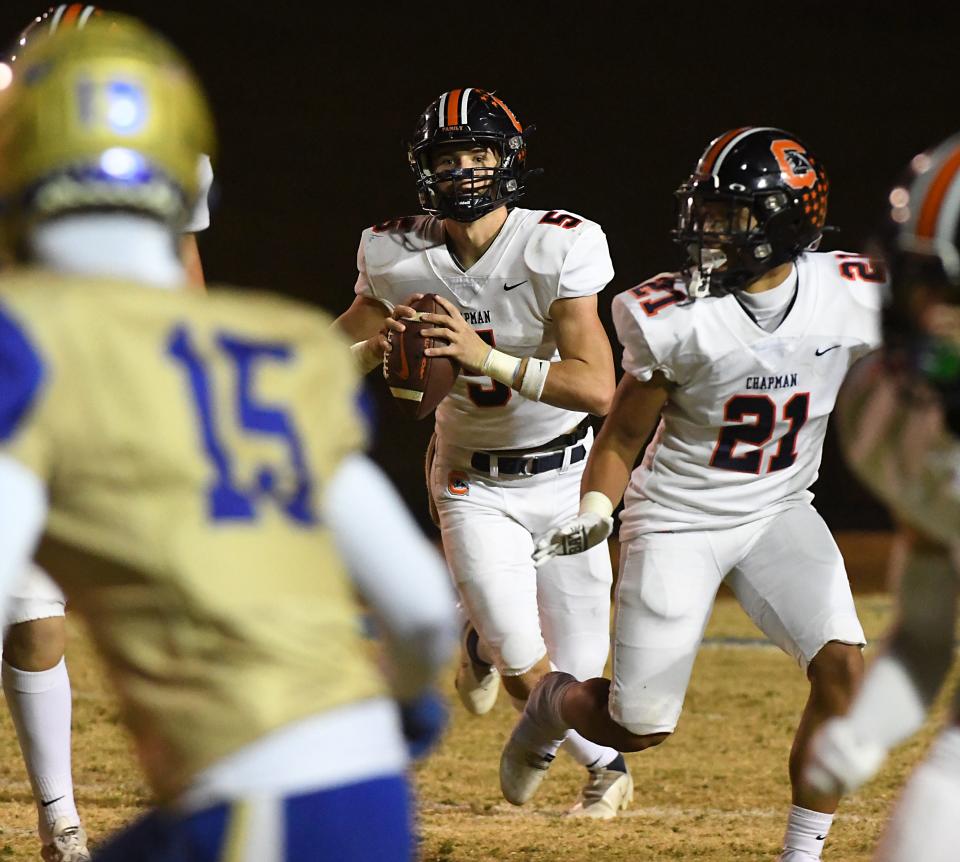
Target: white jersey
(893,433)
(538,257)
(741,434)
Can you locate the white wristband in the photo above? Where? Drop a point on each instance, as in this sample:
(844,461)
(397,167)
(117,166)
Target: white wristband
(365,356)
(596,502)
(500,367)
(534,378)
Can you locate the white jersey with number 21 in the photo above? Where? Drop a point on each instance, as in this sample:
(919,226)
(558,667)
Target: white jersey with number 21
(742,432)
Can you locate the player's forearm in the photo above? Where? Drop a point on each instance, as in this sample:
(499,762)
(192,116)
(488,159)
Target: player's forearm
(608,468)
(903,682)
(633,417)
(361,323)
(923,640)
(579,385)
(412,601)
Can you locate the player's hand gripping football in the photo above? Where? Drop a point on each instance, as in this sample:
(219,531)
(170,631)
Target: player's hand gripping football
(592,526)
(381,342)
(468,348)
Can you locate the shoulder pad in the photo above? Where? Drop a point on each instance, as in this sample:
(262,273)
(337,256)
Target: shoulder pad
(657,294)
(550,236)
(385,243)
(561,219)
(863,279)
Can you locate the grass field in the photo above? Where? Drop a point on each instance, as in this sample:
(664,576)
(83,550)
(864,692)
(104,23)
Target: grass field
(717,790)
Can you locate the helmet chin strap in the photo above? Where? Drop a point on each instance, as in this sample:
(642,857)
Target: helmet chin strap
(699,284)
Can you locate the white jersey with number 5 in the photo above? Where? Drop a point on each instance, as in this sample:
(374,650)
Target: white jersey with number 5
(538,257)
(742,432)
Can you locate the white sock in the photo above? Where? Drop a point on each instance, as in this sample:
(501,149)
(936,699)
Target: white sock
(588,753)
(806,834)
(924,825)
(40,705)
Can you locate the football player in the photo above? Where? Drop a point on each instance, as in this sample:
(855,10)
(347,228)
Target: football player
(519,292)
(199,458)
(34,673)
(899,421)
(735,365)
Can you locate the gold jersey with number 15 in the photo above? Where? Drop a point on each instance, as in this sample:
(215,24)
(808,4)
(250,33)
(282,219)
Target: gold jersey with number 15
(185,442)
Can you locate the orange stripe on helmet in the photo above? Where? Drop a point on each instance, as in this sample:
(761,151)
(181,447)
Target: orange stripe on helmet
(709,158)
(71,14)
(508,112)
(930,210)
(453,108)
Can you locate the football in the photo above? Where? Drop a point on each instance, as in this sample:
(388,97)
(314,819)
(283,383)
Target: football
(418,382)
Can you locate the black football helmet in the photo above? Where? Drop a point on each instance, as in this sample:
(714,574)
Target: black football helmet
(469,115)
(921,243)
(757,199)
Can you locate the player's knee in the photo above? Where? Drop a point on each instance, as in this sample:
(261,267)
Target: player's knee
(519,654)
(634,741)
(641,728)
(35,645)
(838,666)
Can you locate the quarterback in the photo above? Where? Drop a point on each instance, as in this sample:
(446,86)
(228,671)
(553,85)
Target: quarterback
(195,461)
(734,366)
(519,290)
(899,425)
(34,672)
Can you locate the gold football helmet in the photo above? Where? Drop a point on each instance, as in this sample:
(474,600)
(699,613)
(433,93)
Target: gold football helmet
(107,117)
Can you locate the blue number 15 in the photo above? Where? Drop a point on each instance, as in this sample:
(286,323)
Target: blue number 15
(229,499)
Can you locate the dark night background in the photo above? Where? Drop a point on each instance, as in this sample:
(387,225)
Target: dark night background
(312,106)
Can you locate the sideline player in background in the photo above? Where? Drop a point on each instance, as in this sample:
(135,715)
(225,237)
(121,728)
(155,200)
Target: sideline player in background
(899,421)
(519,289)
(739,360)
(200,456)
(35,680)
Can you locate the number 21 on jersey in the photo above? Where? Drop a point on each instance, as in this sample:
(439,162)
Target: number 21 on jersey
(756,417)
(228,497)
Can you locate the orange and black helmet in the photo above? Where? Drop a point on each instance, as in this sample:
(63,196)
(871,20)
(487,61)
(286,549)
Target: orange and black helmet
(775,192)
(469,116)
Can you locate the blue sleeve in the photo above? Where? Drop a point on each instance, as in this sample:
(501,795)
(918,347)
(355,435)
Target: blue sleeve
(367,411)
(21,375)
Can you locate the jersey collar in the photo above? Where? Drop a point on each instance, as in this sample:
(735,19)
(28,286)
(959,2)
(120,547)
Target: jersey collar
(465,284)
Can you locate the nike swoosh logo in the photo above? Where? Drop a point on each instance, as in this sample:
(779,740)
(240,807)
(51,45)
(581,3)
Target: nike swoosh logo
(45,804)
(821,352)
(822,837)
(512,286)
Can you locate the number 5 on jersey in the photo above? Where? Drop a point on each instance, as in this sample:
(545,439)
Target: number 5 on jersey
(494,395)
(229,498)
